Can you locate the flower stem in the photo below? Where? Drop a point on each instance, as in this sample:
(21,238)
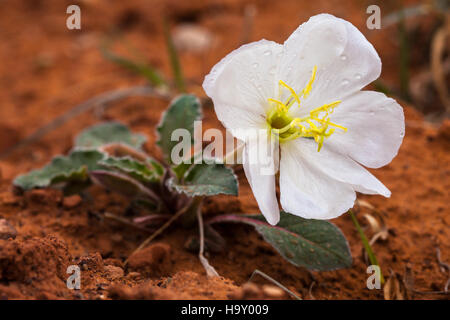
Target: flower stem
(372,257)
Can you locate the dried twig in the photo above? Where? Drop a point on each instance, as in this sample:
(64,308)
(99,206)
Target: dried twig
(408,281)
(126,222)
(445,267)
(275,282)
(159,231)
(310,290)
(395,288)
(210,271)
(437,56)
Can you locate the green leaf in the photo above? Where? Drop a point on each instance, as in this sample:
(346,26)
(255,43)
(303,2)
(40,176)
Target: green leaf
(173,58)
(73,168)
(366,243)
(181,114)
(106,133)
(206,180)
(317,245)
(144,173)
(141,68)
(181,169)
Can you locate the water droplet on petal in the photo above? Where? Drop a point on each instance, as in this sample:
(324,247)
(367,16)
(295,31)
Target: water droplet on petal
(255,65)
(358,76)
(343,57)
(272,70)
(345,82)
(267,53)
(402,134)
(372,113)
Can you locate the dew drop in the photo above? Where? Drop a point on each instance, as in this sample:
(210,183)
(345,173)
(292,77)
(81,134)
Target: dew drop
(272,70)
(358,76)
(343,57)
(402,134)
(255,65)
(372,113)
(267,53)
(345,82)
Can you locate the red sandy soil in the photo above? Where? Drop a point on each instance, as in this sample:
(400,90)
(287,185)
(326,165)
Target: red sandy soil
(47,69)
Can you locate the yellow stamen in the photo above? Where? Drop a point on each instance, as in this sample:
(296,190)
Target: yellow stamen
(308,87)
(280,104)
(315,126)
(292,91)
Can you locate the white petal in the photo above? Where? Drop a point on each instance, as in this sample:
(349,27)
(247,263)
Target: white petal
(308,192)
(241,83)
(262,179)
(376,127)
(345,60)
(339,167)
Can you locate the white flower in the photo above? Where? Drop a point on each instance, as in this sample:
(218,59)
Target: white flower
(308,93)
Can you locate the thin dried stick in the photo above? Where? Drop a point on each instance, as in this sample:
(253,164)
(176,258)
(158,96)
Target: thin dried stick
(126,222)
(103,98)
(159,231)
(210,271)
(437,57)
(310,290)
(443,266)
(275,282)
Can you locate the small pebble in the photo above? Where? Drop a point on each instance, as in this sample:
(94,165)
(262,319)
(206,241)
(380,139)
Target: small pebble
(113,272)
(272,292)
(72,201)
(7,230)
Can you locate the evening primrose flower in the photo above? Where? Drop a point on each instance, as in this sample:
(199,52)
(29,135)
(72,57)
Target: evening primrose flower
(307,94)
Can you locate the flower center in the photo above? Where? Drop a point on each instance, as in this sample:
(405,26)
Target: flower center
(286,127)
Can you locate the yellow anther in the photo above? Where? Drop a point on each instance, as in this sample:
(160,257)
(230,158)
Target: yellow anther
(327,122)
(328,108)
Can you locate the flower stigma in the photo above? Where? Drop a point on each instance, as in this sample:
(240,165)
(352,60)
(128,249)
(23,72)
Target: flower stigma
(286,127)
